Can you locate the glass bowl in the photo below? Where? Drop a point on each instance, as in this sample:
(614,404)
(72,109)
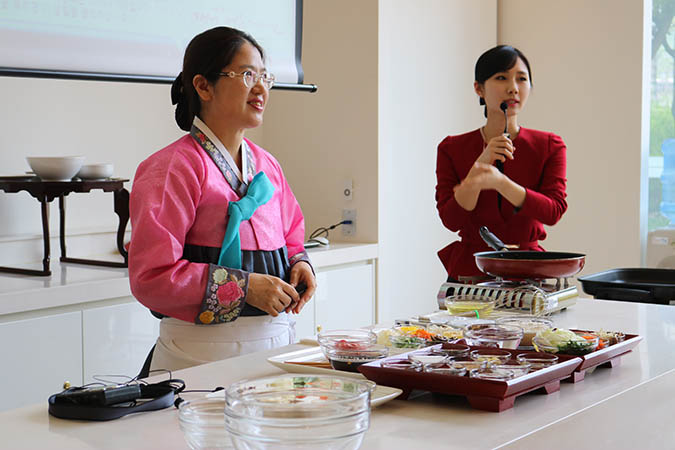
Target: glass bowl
(446,368)
(426,358)
(490,355)
(611,337)
(346,339)
(452,350)
(474,305)
(404,364)
(531,325)
(578,346)
(407,342)
(203,423)
(518,369)
(493,335)
(492,373)
(470,364)
(350,360)
(279,412)
(537,360)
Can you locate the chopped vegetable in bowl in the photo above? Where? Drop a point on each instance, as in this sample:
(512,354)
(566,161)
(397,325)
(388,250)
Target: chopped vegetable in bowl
(558,340)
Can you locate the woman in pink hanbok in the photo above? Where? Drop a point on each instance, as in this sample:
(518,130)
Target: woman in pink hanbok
(217,235)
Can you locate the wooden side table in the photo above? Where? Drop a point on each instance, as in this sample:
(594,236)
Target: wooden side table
(47,191)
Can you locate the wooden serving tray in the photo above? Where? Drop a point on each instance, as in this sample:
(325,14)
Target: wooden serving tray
(607,357)
(487,395)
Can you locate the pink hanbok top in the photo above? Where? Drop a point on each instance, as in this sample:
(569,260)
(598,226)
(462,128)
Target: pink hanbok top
(180,197)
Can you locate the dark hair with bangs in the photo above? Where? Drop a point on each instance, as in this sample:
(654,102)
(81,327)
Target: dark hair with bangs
(498,59)
(206,55)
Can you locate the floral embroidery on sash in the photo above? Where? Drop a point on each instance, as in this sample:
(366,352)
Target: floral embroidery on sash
(225,295)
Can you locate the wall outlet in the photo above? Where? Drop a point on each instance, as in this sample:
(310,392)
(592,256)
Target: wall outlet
(349,229)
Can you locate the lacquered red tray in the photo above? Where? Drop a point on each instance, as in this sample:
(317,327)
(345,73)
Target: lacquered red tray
(607,357)
(487,395)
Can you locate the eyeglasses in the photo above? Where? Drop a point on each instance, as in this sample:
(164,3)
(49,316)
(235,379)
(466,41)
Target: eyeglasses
(251,78)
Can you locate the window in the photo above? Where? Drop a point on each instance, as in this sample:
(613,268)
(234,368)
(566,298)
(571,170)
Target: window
(661,220)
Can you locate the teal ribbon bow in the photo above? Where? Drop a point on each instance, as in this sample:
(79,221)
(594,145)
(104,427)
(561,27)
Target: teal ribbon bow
(260,191)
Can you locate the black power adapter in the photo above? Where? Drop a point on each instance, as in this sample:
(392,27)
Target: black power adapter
(99,396)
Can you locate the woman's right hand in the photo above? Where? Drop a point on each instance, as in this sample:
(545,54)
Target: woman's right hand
(270,294)
(498,149)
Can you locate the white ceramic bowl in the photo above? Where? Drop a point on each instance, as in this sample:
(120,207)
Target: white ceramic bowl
(55,168)
(96,171)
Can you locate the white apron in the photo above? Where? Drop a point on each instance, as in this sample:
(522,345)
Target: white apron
(183,344)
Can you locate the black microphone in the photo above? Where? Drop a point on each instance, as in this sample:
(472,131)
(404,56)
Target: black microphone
(503,106)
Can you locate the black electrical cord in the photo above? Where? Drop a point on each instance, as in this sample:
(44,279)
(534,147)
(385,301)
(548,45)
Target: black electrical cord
(323,230)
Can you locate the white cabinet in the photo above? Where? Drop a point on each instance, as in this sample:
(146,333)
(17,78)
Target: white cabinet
(117,339)
(304,322)
(38,355)
(345,297)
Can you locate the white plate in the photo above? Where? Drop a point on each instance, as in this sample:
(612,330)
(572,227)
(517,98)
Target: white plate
(380,395)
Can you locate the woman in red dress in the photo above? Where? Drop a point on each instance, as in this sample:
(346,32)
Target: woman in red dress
(509,178)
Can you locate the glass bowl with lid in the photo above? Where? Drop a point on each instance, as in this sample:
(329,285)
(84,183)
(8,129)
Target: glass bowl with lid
(278,412)
(493,335)
(531,325)
(203,423)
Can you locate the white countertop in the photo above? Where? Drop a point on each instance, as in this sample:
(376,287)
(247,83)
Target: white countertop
(619,400)
(72,284)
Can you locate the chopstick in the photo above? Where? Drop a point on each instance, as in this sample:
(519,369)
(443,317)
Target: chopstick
(323,364)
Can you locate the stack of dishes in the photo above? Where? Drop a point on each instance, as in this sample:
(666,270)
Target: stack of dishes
(298,412)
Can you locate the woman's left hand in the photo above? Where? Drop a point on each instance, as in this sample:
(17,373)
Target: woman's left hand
(483,176)
(301,272)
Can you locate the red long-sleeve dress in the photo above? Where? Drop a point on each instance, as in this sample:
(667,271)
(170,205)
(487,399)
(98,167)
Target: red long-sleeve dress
(539,166)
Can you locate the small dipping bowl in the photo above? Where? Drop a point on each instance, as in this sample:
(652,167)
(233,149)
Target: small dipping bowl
(531,325)
(404,364)
(492,373)
(350,360)
(493,335)
(454,350)
(537,360)
(470,364)
(491,355)
(518,369)
(426,358)
(446,368)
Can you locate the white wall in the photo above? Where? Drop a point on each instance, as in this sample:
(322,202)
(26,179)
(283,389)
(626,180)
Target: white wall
(586,59)
(427,51)
(121,123)
(323,138)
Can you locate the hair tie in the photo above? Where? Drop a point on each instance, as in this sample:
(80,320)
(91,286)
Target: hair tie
(177,93)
